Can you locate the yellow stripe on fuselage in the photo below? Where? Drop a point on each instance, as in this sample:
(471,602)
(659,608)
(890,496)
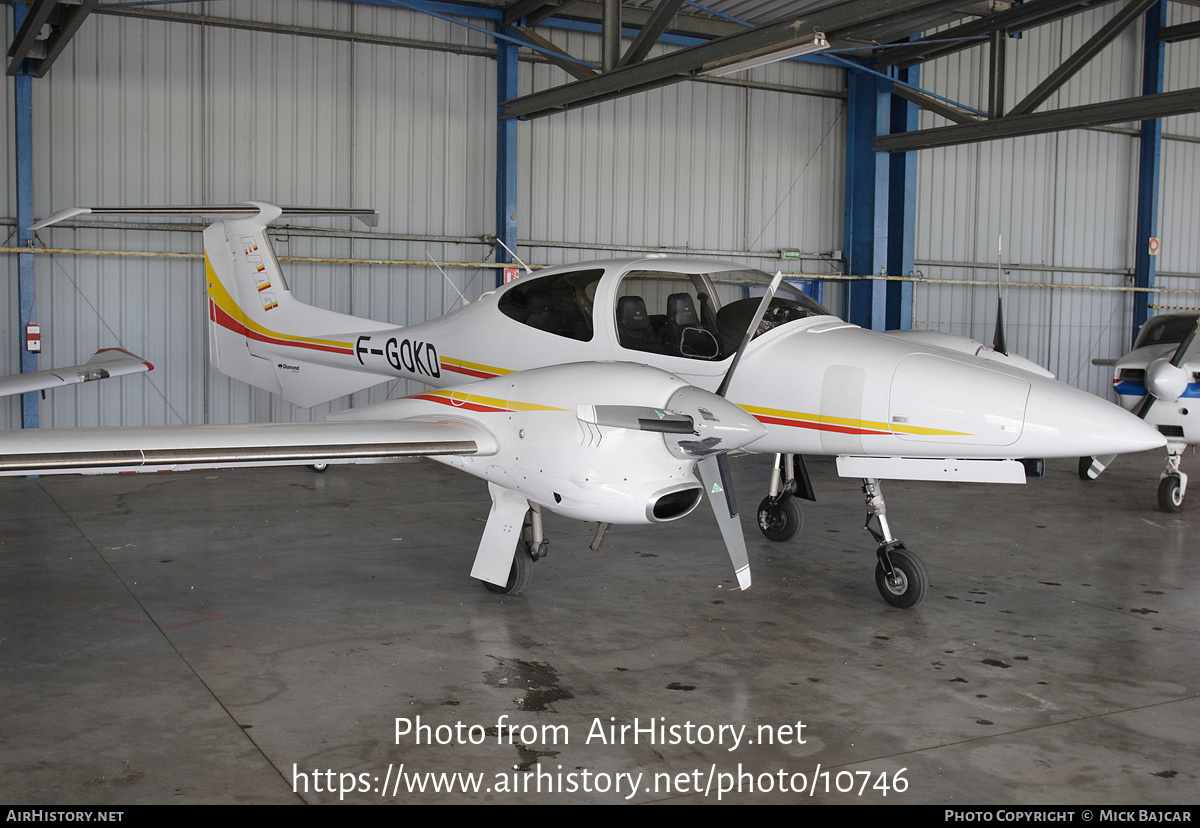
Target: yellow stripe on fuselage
(851,423)
(459,398)
(223,300)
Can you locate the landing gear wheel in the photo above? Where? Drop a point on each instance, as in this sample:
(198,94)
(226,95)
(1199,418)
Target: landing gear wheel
(780,523)
(518,577)
(1085,463)
(319,468)
(1170,493)
(911,581)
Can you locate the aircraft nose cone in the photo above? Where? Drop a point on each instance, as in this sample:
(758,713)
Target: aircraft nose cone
(722,426)
(1061,421)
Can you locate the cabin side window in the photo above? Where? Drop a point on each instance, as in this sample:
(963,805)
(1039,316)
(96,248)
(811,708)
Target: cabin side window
(667,313)
(559,304)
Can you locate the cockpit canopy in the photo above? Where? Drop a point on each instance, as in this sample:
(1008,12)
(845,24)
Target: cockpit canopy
(1166,329)
(701,315)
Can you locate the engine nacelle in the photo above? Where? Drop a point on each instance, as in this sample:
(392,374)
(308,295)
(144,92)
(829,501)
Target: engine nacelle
(558,456)
(615,443)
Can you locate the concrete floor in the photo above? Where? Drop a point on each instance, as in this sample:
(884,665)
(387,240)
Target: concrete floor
(229,637)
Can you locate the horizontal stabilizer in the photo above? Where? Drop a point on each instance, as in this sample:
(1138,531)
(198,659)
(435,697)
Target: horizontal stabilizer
(104,364)
(214,211)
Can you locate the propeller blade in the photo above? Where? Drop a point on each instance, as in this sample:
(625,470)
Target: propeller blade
(718,485)
(1099,464)
(1143,408)
(1182,350)
(638,418)
(758,315)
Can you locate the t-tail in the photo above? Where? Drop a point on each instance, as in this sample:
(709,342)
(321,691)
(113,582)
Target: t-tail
(258,332)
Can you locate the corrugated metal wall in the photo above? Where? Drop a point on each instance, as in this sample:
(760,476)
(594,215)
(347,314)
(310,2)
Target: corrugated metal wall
(142,112)
(1065,204)
(145,112)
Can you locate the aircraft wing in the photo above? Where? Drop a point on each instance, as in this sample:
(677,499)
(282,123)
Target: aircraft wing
(180,448)
(105,363)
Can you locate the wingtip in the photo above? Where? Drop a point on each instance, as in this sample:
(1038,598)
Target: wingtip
(61,215)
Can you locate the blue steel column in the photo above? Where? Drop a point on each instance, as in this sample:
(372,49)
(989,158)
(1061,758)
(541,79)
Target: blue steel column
(24,163)
(1149,167)
(902,211)
(506,153)
(867,115)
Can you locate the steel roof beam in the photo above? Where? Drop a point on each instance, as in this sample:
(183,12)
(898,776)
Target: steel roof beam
(948,111)
(1162,105)
(26,38)
(651,31)
(1029,15)
(73,16)
(670,68)
(64,18)
(1184,31)
(524,8)
(1104,36)
(555,55)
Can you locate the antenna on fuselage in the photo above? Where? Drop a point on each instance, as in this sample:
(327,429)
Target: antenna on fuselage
(464,299)
(998,343)
(500,242)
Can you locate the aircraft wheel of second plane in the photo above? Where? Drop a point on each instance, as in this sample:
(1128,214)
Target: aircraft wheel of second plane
(519,576)
(910,582)
(1170,493)
(782,522)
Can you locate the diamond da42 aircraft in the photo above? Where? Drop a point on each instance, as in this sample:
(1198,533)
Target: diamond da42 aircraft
(601,391)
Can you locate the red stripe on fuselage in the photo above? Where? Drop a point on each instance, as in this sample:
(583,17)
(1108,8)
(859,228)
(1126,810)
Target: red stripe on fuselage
(470,372)
(223,319)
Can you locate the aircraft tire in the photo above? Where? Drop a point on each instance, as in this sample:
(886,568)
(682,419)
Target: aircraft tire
(781,523)
(912,580)
(1170,493)
(518,577)
(319,468)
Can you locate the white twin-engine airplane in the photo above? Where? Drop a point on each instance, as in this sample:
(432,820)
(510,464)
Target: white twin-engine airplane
(1159,381)
(599,391)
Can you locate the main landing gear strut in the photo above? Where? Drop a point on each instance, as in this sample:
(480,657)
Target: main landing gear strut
(899,574)
(532,546)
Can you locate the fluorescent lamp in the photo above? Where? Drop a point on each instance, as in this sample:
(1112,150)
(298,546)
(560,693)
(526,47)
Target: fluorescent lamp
(740,63)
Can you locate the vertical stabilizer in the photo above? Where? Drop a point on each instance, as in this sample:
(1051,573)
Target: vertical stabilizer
(260,334)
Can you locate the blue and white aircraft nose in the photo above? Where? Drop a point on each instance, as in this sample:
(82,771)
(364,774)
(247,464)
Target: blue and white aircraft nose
(1061,421)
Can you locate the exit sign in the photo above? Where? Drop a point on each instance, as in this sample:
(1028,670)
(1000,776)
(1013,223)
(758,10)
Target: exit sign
(789,253)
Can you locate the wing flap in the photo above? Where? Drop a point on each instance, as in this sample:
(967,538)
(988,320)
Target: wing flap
(179,448)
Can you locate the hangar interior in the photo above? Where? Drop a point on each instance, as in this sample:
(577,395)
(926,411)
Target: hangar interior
(198,640)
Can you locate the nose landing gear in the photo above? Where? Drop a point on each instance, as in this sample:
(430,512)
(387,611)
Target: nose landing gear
(899,574)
